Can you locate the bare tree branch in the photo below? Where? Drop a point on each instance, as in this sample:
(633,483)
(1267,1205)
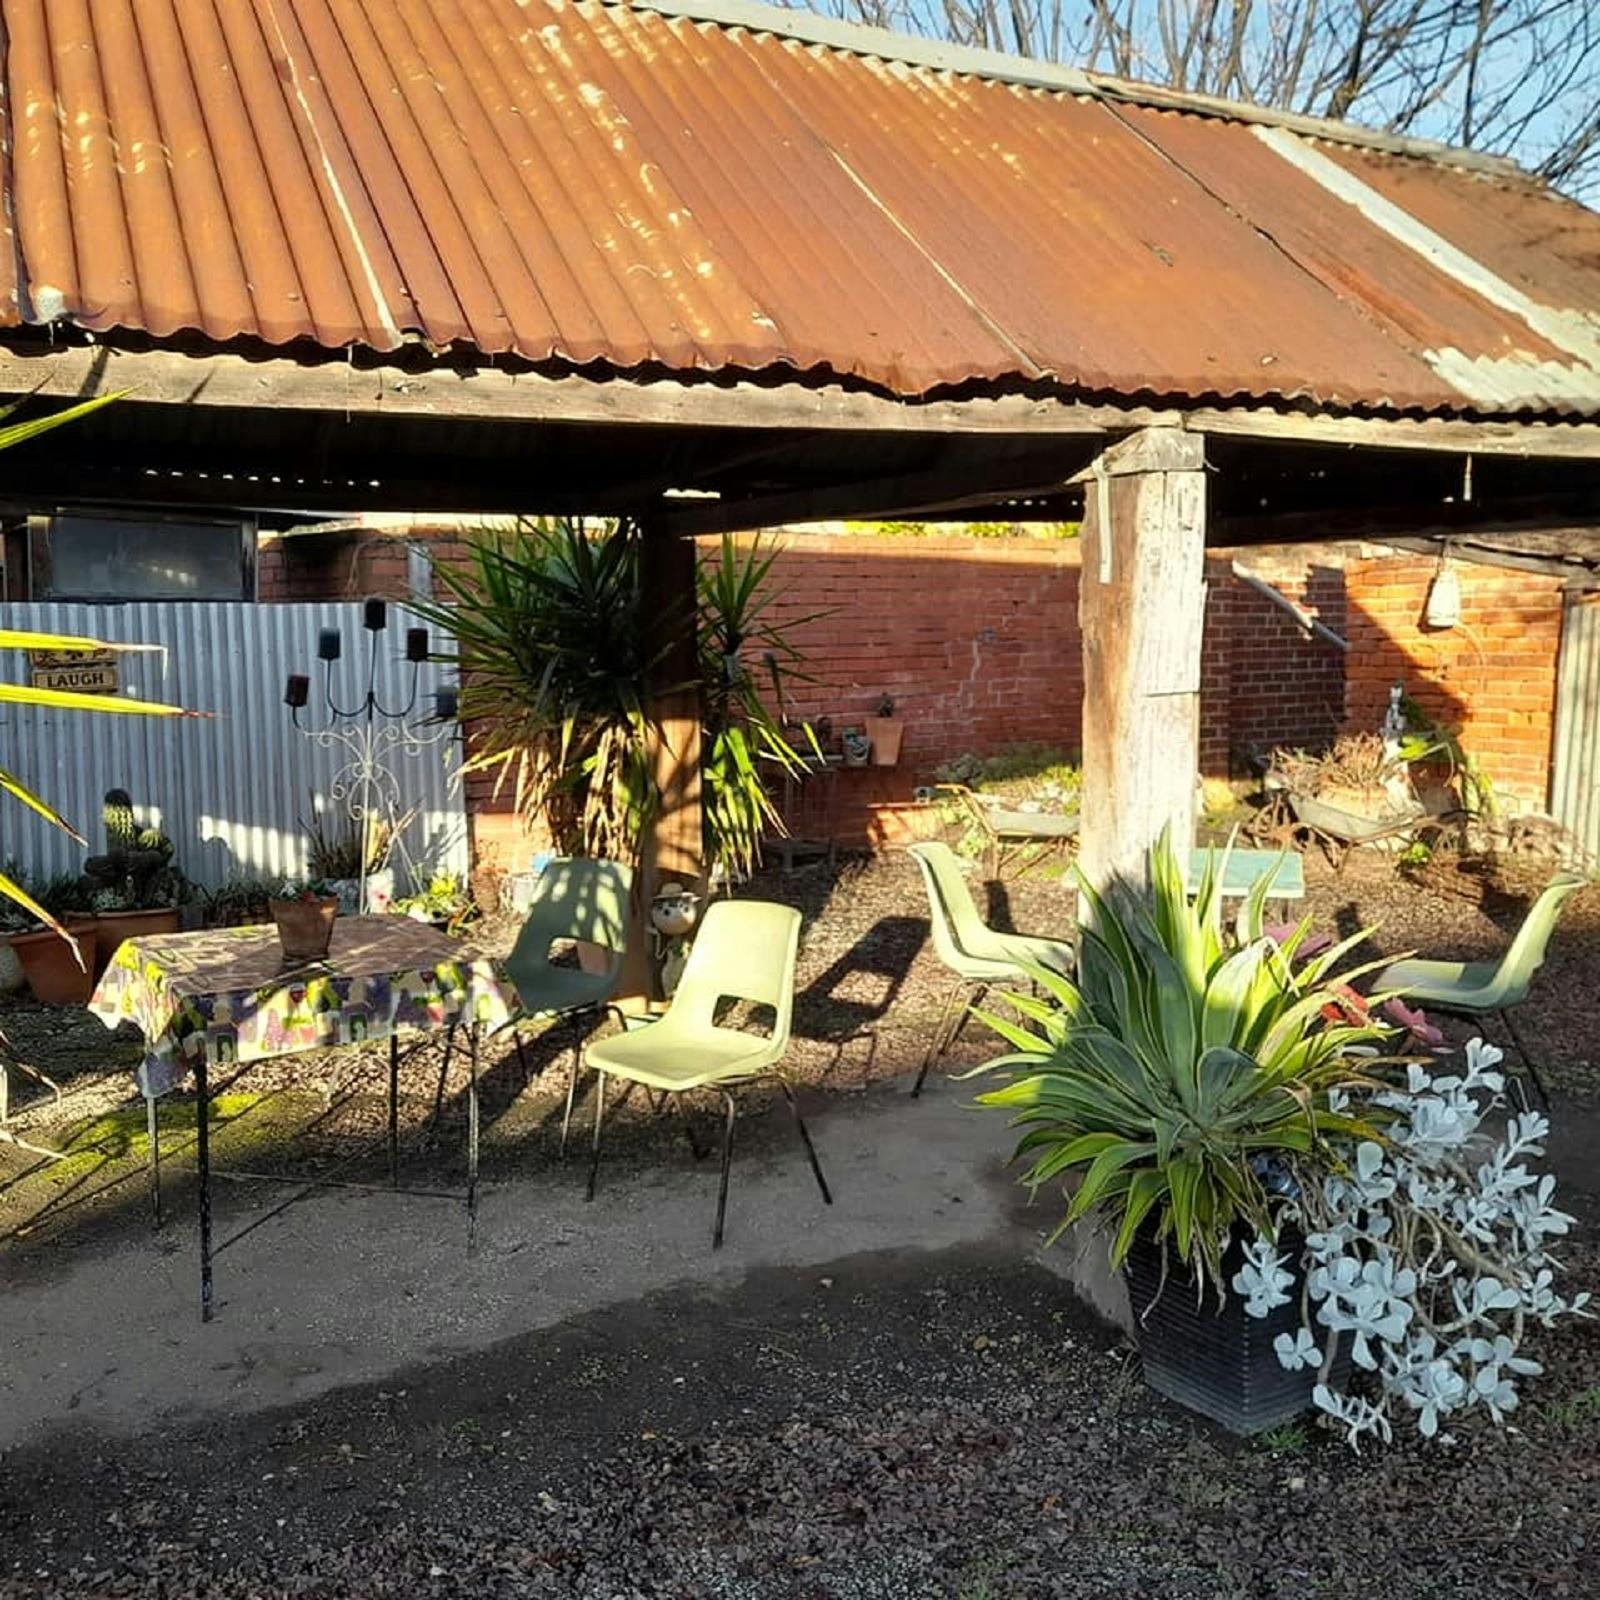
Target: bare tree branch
(1518,77)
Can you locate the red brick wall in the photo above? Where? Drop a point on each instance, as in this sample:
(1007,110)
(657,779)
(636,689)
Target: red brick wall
(345,566)
(1493,677)
(1277,684)
(977,642)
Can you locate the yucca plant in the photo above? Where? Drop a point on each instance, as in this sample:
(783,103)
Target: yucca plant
(549,629)
(57,699)
(746,742)
(550,633)
(1186,1056)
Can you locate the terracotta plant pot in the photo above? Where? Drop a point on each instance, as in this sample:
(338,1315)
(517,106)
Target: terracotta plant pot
(885,734)
(52,971)
(305,927)
(112,927)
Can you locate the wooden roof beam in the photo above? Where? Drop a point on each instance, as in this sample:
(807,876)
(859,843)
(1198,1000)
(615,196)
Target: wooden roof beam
(365,386)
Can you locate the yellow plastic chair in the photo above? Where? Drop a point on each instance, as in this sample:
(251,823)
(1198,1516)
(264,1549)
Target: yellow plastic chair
(975,953)
(577,900)
(745,951)
(1480,988)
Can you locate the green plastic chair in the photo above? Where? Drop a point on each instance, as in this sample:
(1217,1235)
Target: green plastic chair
(580,900)
(1483,988)
(975,953)
(745,951)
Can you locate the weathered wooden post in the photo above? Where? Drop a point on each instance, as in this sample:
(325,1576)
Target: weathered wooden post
(672,848)
(1141,609)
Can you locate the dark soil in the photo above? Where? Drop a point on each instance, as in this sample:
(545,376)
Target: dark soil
(888,1427)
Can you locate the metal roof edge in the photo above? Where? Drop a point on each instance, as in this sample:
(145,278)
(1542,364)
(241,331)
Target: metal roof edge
(860,39)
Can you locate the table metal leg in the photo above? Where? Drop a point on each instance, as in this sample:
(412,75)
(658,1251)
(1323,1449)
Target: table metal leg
(472,1136)
(152,1128)
(394,1111)
(203,1164)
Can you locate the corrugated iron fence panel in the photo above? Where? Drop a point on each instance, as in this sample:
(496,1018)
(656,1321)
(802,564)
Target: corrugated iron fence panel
(1575,790)
(230,790)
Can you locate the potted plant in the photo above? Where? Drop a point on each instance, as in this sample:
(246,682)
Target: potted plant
(442,900)
(335,855)
(1289,1198)
(57,958)
(133,889)
(305,913)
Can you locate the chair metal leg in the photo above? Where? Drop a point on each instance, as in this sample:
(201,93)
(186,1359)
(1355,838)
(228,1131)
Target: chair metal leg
(727,1157)
(572,1089)
(688,1127)
(936,1043)
(965,1013)
(805,1137)
(594,1149)
(1527,1060)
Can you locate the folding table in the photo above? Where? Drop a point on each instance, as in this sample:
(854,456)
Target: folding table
(224,997)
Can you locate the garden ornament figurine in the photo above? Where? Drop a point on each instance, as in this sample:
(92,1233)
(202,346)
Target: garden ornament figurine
(673,914)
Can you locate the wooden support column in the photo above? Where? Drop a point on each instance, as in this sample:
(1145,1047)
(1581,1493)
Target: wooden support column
(1141,608)
(672,847)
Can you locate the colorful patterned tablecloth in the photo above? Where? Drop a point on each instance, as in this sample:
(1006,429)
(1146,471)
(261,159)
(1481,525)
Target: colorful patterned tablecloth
(226,995)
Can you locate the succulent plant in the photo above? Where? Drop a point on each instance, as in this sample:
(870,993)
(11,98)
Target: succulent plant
(116,812)
(136,871)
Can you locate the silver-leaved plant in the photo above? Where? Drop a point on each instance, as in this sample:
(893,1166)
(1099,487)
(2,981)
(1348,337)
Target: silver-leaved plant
(1429,1255)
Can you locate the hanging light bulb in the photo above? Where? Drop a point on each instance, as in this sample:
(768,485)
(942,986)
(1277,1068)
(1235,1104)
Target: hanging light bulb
(1444,599)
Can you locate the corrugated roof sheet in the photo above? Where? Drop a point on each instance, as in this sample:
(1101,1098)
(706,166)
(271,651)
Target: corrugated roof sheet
(588,183)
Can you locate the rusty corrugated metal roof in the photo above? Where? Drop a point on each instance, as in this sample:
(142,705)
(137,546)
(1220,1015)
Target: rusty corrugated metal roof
(598,184)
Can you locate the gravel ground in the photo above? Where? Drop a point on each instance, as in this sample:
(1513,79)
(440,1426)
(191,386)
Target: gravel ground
(892,1427)
(920,1425)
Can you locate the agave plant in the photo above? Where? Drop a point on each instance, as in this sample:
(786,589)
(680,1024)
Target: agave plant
(1185,1064)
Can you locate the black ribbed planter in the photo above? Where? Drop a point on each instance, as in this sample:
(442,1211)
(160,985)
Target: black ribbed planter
(1217,1361)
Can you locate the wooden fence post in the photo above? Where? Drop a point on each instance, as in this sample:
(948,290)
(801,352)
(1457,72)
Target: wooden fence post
(1141,610)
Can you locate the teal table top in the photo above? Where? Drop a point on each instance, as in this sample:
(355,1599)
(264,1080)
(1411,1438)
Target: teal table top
(1246,868)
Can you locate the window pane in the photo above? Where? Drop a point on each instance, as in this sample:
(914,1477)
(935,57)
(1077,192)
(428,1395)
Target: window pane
(135,558)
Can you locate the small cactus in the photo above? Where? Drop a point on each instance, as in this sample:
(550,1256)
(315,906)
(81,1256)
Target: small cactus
(117,814)
(135,873)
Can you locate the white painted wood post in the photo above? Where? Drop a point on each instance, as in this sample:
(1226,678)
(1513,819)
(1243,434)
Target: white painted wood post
(1141,608)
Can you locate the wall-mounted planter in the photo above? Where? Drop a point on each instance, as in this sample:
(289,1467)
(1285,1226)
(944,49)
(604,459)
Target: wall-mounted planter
(885,734)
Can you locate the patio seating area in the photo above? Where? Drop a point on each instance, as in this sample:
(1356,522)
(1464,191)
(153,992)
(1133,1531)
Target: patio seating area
(798,813)
(813,1332)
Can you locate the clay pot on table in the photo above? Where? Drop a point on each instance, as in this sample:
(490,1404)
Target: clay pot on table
(112,927)
(305,927)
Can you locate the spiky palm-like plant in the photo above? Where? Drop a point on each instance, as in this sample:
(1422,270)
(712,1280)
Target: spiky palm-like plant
(12,435)
(1184,1052)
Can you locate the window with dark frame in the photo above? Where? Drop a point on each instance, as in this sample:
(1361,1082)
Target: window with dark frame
(93,555)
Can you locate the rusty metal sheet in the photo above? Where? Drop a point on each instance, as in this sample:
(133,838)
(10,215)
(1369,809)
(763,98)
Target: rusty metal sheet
(592,185)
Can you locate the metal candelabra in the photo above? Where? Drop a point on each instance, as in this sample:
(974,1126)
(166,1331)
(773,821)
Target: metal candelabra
(373,736)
